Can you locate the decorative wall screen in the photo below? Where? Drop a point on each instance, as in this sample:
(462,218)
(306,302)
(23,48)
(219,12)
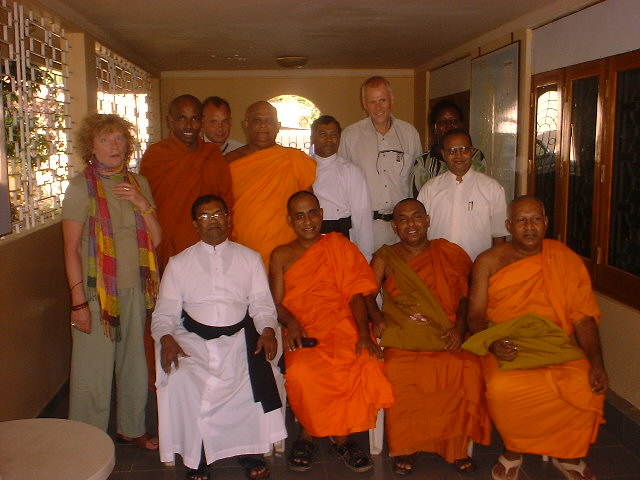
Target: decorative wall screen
(33,73)
(124,89)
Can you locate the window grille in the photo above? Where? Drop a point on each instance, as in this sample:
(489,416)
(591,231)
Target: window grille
(124,89)
(33,73)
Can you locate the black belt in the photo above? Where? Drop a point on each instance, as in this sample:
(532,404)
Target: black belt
(263,383)
(387,217)
(341,225)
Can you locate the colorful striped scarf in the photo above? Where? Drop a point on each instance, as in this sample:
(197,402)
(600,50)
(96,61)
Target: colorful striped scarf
(102,263)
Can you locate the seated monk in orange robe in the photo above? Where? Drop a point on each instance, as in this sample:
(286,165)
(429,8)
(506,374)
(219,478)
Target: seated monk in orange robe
(553,410)
(440,405)
(180,169)
(264,176)
(336,387)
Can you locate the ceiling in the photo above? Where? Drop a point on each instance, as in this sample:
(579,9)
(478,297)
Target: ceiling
(165,35)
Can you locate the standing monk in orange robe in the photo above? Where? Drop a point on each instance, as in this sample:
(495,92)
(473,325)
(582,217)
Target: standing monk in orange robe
(336,387)
(180,169)
(440,404)
(264,176)
(552,410)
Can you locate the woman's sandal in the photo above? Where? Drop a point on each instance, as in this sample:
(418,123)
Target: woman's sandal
(254,468)
(464,465)
(353,456)
(507,465)
(146,441)
(300,458)
(404,464)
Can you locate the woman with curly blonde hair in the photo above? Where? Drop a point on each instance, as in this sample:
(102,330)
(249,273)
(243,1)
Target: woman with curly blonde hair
(110,232)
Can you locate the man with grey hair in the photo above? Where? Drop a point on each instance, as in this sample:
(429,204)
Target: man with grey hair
(385,148)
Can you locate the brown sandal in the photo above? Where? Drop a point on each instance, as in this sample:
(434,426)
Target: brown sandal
(400,464)
(146,441)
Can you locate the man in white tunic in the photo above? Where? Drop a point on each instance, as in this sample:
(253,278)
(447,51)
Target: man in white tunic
(211,405)
(385,148)
(466,207)
(341,187)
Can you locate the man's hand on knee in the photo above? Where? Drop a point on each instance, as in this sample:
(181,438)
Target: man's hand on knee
(169,353)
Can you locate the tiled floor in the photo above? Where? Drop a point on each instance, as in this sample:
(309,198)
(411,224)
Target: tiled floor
(608,458)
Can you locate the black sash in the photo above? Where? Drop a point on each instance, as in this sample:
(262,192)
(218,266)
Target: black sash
(342,225)
(263,383)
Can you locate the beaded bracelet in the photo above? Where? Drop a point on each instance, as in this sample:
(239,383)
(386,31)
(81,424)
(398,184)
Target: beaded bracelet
(148,211)
(80,306)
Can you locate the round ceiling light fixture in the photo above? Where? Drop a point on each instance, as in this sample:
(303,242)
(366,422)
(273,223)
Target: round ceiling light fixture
(290,61)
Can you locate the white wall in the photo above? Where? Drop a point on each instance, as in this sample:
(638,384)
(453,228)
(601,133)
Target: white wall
(449,79)
(606,29)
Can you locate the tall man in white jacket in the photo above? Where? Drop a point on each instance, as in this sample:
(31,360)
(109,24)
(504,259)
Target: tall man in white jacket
(217,397)
(385,148)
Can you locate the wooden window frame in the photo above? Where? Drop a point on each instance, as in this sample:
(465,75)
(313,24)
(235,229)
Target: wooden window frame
(609,280)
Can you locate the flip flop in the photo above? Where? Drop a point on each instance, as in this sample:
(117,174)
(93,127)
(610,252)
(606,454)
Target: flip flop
(146,441)
(508,465)
(567,468)
(254,468)
(404,460)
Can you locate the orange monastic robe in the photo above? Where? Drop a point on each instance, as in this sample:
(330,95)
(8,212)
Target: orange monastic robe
(331,390)
(262,183)
(551,410)
(177,177)
(440,403)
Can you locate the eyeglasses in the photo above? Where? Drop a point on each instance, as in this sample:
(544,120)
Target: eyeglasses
(445,122)
(205,217)
(453,150)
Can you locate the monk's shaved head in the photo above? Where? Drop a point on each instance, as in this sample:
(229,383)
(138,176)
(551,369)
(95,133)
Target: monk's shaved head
(256,106)
(301,194)
(524,198)
(261,124)
(408,201)
(181,100)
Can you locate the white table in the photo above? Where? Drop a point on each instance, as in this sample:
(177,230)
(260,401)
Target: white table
(55,449)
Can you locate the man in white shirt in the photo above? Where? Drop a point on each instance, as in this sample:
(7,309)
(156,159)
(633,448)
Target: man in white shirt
(341,187)
(385,148)
(216,124)
(212,402)
(466,207)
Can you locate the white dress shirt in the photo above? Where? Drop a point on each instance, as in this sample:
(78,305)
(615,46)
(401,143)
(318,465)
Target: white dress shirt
(342,190)
(214,285)
(470,213)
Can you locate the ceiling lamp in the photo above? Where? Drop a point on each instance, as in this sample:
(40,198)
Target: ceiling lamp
(292,61)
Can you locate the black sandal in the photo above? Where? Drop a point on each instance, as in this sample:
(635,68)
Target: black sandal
(353,456)
(200,473)
(300,458)
(254,468)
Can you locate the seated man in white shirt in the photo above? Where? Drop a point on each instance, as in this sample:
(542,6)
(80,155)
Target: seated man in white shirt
(216,124)
(465,206)
(341,187)
(217,397)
